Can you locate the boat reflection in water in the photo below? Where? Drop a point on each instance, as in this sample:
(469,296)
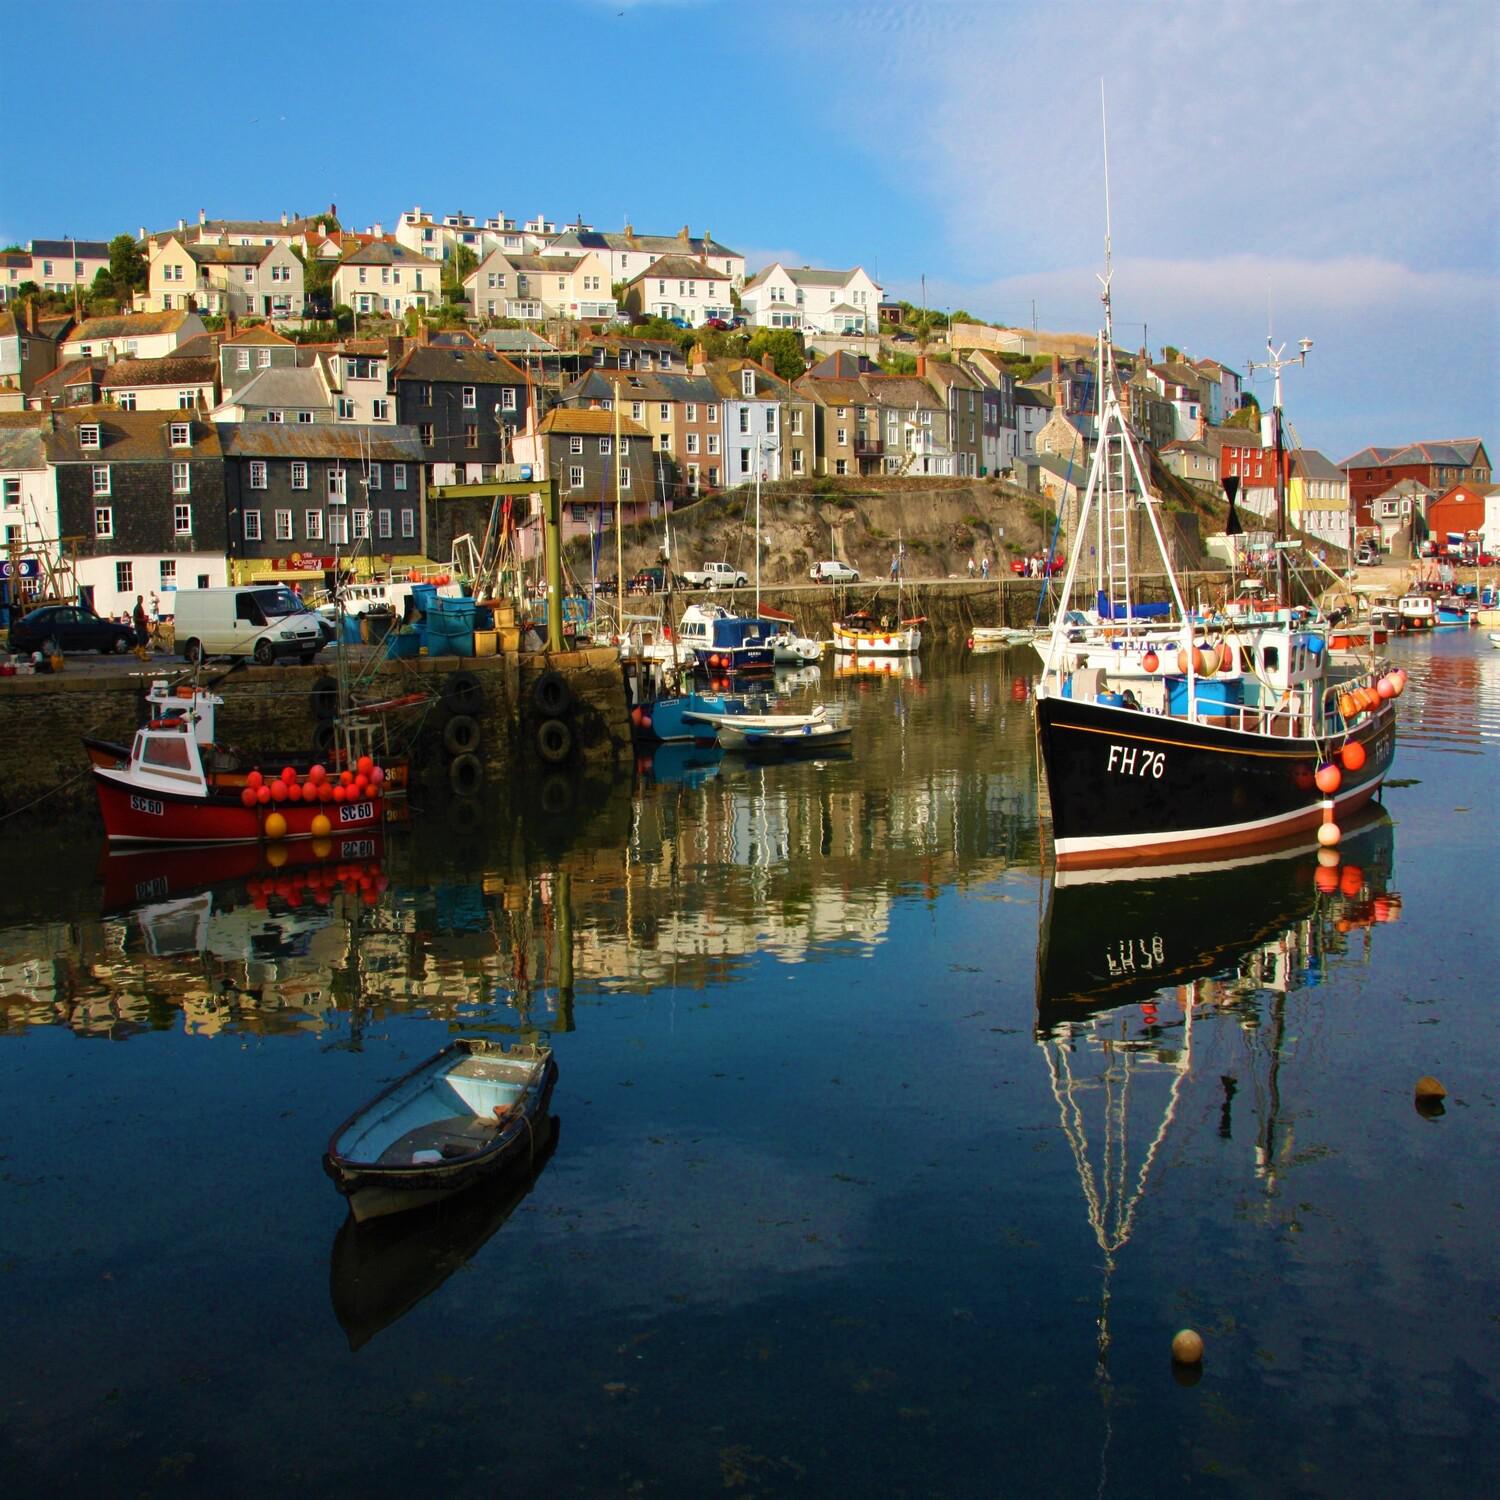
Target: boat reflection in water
(1152,987)
(379,1270)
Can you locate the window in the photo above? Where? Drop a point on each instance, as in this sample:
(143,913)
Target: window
(713,477)
(469,401)
(692,442)
(424,394)
(88,435)
(304,417)
(12,493)
(299,475)
(257,474)
(374,480)
(575,477)
(380,411)
(274,416)
(744,419)
(124,577)
(605,446)
(242,359)
(336,486)
(104,520)
(575,445)
(843,436)
(187,400)
(361,525)
(508,398)
(182,434)
(796,424)
(744,460)
(101,479)
(796,461)
(398,476)
(252,525)
(692,411)
(182,479)
(383,523)
(747,382)
(424,433)
(771,419)
(624,476)
(841,466)
(284,526)
(471,434)
(345,409)
(313,525)
(665,442)
(624,447)
(842,414)
(126,400)
(263,359)
(338,528)
(637,410)
(169,572)
(713,442)
(665,412)
(182,520)
(408,523)
(711,414)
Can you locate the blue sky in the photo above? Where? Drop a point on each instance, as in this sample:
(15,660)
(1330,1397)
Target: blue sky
(1336,162)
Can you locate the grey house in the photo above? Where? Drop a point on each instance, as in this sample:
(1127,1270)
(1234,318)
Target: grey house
(465,404)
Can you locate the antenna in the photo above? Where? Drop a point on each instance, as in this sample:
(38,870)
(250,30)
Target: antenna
(1104,280)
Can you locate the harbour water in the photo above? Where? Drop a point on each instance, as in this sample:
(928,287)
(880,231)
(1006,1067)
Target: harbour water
(881,1164)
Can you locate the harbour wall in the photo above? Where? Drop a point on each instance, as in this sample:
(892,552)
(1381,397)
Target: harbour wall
(44,719)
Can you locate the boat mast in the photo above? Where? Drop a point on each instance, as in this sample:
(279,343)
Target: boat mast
(1276,363)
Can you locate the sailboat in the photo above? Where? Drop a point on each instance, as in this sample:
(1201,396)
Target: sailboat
(1164,739)
(860,633)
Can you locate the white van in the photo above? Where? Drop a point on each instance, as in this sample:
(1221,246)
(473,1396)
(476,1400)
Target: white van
(261,620)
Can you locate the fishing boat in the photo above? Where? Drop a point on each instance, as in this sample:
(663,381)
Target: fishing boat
(996,637)
(1234,739)
(725,642)
(859,633)
(764,738)
(1418,611)
(459,1118)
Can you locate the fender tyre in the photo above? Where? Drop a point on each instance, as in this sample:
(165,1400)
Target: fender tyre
(323,736)
(551,694)
(554,741)
(461,735)
(556,794)
(465,775)
(325,698)
(463,693)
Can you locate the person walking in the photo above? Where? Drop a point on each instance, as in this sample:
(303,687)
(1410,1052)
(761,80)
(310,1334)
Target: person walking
(984,566)
(895,564)
(141,623)
(971,565)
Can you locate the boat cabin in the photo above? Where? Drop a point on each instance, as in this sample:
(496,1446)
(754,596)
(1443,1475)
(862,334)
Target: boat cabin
(164,757)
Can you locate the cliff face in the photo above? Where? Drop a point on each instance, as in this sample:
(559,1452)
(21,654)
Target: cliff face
(942,523)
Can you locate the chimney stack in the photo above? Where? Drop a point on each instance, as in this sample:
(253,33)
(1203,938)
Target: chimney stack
(181,225)
(768,363)
(202,217)
(283,218)
(142,233)
(31,315)
(378,230)
(698,360)
(683,234)
(921,367)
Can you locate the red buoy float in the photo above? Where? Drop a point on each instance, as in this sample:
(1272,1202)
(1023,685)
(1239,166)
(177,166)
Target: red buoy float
(1353,756)
(1150,661)
(1329,778)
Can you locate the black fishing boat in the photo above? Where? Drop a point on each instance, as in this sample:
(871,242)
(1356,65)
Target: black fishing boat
(465,1114)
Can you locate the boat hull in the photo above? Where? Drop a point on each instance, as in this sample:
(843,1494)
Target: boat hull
(905,641)
(133,815)
(1129,787)
(231,769)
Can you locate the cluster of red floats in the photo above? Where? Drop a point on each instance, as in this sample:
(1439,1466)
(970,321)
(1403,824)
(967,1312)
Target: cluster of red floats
(1205,661)
(319,883)
(640,719)
(364,782)
(1362,700)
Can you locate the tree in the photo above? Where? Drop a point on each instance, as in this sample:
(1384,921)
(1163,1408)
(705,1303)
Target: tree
(128,271)
(458,266)
(1247,417)
(784,345)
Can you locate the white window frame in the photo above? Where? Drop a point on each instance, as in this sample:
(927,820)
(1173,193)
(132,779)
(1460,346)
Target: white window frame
(181,434)
(104,520)
(312,521)
(182,520)
(252,525)
(286,526)
(470,398)
(182,479)
(398,476)
(408,523)
(338,528)
(101,480)
(299,474)
(575,476)
(257,474)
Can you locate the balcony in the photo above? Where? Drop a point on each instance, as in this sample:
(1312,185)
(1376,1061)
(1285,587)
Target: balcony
(868,447)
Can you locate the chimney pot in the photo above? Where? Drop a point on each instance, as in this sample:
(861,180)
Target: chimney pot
(142,233)
(181,225)
(283,218)
(921,367)
(378,231)
(202,216)
(768,363)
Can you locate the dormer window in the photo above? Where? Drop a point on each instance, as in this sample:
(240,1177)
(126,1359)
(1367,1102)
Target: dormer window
(88,436)
(182,435)
(747,382)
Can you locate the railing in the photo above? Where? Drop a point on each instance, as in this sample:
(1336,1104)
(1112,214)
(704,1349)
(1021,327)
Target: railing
(865,447)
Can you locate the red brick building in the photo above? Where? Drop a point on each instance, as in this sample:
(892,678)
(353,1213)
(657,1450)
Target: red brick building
(1436,465)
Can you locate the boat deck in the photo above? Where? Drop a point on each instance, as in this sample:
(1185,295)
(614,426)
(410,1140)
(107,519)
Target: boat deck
(445,1140)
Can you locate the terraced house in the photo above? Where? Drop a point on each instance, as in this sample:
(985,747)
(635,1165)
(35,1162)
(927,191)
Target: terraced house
(145,490)
(388,279)
(466,404)
(223,278)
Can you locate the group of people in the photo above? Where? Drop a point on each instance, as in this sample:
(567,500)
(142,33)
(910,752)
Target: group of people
(983,566)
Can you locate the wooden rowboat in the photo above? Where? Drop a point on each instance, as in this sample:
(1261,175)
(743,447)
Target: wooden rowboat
(468,1112)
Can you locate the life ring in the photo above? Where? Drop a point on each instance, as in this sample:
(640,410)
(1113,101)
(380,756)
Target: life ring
(325,698)
(466,775)
(463,693)
(551,694)
(175,722)
(554,740)
(461,734)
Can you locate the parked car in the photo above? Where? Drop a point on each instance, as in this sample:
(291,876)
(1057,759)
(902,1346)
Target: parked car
(70,627)
(263,621)
(715,575)
(652,580)
(717,323)
(833,571)
(1367,555)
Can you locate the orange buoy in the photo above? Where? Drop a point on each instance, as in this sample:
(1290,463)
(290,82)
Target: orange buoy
(1329,777)
(1352,755)
(1386,688)
(1347,706)
(1150,661)
(1351,880)
(1329,834)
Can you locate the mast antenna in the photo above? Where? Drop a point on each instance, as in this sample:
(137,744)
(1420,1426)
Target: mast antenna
(1104,280)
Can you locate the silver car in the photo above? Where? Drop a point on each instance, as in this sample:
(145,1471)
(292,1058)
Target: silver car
(833,571)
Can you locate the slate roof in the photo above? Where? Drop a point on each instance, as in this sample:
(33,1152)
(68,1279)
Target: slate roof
(840,365)
(172,370)
(72,249)
(21,445)
(200,346)
(385,253)
(902,391)
(1029,396)
(126,436)
(1311,464)
(678,268)
(256,334)
(518,341)
(1448,452)
(590,421)
(473,366)
(130,325)
(829,390)
(806,276)
(289,386)
(53,385)
(227,255)
(320,440)
(652,244)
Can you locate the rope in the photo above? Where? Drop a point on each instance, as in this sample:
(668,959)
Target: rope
(60,787)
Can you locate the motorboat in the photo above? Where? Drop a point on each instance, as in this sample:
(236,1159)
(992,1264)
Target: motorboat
(722,641)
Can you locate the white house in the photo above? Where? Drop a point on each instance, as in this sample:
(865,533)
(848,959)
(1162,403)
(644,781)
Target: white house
(510,285)
(216,276)
(800,297)
(172,383)
(386,279)
(628,254)
(55,266)
(150,335)
(678,287)
(28,486)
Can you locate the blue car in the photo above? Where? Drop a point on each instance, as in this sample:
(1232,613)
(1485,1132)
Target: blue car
(69,627)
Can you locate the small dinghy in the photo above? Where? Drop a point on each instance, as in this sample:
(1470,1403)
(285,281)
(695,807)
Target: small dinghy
(764,738)
(467,1113)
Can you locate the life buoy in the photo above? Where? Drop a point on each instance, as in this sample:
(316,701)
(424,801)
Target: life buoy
(551,694)
(553,741)
(461,734)
(466,774)
(463,693)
